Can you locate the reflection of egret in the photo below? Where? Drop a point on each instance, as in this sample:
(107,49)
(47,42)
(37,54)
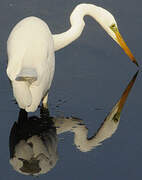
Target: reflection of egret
(31,49)
(33,141)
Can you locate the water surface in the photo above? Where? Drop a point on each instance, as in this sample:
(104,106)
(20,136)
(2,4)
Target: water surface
(90,76)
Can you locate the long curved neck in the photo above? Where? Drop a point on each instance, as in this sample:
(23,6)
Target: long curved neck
(77,25)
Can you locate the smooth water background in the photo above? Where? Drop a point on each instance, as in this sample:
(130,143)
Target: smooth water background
(90,76)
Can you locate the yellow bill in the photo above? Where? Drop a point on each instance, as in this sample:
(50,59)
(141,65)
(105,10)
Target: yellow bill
(124,46)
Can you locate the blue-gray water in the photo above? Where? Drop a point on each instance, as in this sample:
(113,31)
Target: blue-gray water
(90,76)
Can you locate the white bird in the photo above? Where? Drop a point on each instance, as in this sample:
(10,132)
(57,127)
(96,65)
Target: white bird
(31,48)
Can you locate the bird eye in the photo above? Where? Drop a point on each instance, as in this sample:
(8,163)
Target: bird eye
(113,27)
(116,117)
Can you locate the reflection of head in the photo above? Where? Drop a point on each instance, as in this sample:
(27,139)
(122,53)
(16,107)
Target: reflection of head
(33,144)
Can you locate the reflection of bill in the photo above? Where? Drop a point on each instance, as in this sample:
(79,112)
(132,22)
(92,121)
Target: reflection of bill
(33,140)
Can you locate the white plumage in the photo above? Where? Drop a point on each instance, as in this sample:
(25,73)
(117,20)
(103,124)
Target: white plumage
(31,56)
(31,48)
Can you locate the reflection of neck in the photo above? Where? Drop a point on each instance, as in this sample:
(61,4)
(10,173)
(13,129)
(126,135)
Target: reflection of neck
(77,25)
(81,139)
(105,131)
(80,131)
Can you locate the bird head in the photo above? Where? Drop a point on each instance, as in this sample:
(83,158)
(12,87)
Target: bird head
(108,22)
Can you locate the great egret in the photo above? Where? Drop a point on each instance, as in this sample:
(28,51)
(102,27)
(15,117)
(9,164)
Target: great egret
(31,48)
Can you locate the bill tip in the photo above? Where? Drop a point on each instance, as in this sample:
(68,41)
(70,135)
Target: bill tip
(136,63)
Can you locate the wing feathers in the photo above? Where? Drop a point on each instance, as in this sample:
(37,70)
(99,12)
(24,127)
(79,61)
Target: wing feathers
(27,74)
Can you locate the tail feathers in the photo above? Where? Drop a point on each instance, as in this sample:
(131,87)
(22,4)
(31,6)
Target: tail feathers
(27,74)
